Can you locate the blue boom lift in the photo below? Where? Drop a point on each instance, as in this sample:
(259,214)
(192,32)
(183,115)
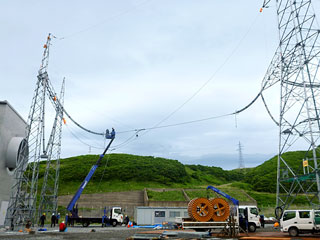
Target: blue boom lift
(72,208)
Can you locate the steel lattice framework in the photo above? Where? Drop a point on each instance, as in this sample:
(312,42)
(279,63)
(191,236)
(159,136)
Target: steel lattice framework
(241,161)
(296,67)
(23,202)
(49,192)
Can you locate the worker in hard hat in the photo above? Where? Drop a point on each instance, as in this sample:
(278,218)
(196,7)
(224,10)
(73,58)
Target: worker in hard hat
(53,220)
(58,218)
(42,219)
(62,227)
(113,133)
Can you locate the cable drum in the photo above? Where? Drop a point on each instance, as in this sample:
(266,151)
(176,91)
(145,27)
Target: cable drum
(221,209)
(190,208)
(200,209)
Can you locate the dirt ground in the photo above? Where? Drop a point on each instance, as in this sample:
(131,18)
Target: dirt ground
(93,232)
(75,233)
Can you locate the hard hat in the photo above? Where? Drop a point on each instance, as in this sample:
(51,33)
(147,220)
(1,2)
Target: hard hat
(276,224)
(52,214)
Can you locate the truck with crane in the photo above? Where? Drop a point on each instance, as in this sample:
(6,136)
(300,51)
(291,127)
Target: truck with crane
(216,214)
(112,216)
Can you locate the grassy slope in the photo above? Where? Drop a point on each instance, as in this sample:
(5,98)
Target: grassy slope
(123,172)
(263,177)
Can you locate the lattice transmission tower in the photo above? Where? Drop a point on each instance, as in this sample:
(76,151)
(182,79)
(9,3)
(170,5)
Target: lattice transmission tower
(49,192)
(296,67)
(241,161)
(23,201)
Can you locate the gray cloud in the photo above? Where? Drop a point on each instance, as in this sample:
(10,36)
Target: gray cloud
(129,65)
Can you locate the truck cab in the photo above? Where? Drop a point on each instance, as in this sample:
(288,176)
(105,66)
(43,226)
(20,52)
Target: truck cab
(300,221)
(251,215)
(116,216)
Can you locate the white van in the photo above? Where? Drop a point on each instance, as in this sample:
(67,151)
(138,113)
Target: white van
(252,213)
(300,221)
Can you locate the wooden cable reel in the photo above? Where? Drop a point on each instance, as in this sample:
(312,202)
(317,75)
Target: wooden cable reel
(200,209)
(221,209)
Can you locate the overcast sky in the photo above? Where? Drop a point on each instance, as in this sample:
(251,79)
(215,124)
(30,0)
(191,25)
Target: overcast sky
(129,64)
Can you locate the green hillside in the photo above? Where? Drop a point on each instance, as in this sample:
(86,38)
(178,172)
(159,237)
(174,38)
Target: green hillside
(124,172)
(121,172)
(263,177)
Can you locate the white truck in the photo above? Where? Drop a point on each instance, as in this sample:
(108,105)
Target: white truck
(116,216)
(300,221)
(251,214)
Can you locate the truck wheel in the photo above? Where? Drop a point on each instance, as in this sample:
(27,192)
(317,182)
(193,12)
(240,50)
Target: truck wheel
(252,227)
(85,224)
(293,232)
(114,223)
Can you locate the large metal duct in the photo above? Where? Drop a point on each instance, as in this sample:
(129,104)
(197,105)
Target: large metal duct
(12,140)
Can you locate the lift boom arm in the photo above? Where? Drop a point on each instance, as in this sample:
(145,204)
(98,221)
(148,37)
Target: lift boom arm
(87,179)
(235,201)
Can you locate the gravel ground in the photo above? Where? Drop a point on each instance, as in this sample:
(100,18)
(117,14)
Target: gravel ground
(77,233)
(268,228)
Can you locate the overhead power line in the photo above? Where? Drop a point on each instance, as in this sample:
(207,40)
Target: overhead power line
(125,11)
(158,125)
(202,119)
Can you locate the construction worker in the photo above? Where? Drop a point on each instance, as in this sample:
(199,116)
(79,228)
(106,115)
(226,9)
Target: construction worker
(42,219)
(62,227)
(113,133)
(53,220)
(58,218)
(126,220)
(107,134)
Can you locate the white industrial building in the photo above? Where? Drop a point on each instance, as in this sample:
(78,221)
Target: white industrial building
(158,215)
(12,136)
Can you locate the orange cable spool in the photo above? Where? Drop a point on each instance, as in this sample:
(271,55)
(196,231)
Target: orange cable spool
(200,209)
(221,209)
(190,207)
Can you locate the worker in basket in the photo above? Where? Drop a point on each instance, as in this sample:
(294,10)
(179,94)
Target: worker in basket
(110,135)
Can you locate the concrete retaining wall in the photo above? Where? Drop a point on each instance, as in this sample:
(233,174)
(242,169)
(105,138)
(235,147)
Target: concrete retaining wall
(92,205)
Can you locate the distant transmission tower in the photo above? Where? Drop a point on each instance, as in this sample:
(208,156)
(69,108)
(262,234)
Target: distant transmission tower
(23,202)
(296,66)
(241,161)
